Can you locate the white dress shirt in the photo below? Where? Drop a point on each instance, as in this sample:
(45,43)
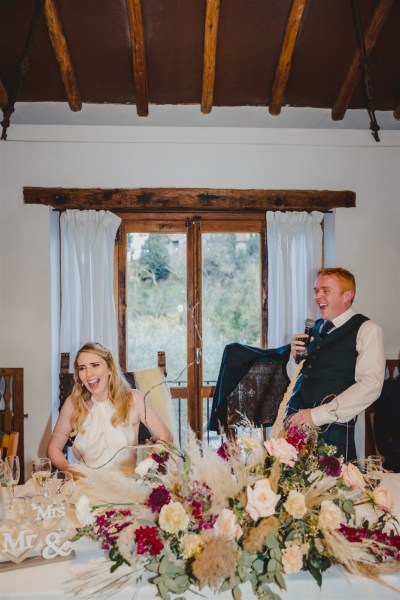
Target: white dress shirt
(369,375)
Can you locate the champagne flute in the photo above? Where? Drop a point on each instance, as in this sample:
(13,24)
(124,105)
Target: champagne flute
(41,471)
(60,483)
(12,473)
(374,470)
(60,486)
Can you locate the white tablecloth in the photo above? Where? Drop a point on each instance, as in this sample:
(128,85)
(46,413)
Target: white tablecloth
(52,580)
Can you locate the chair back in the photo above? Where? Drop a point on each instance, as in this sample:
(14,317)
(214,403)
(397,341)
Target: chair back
(392,374)
(12,412)
(9,444)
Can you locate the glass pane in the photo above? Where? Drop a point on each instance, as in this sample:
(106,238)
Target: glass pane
(156,301)
(231,295)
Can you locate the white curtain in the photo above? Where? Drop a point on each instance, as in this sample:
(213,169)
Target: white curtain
(294,242)
(87,294)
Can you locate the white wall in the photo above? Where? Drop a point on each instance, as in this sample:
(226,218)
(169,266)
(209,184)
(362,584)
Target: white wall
(367,237)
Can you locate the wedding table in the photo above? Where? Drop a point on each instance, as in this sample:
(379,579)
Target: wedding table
(57,580)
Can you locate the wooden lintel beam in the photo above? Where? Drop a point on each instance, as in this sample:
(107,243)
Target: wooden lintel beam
(209,55)
(134,10)
(3,96)
(353,74)
(396,112)
(285,59)
(61,51)
(188,199)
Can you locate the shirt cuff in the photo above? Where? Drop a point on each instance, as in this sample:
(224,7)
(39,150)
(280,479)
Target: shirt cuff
(321,415)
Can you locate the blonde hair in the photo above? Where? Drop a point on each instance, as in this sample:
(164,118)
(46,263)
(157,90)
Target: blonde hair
(345,278)
(120,394)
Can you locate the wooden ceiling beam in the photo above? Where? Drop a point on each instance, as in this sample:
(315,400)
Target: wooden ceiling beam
(210,54)
(285,59)
(3,96)
(61,51)
(371,35)
(134,9)
(188,199)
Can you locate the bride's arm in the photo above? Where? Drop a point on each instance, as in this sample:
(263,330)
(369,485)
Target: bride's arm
(59,438)
(150,418)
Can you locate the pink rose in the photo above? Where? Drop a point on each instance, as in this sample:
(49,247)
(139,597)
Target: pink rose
(352,477)
(282,450)
(261,500)
(227,525)
(382,498)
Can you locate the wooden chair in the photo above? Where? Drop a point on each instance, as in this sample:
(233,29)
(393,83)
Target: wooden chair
(392,372)
(12,414)
(9,444)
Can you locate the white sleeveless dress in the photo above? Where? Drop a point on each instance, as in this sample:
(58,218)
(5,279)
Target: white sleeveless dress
(104,446)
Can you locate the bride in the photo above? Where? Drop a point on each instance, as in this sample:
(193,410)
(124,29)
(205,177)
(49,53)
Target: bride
(102,414)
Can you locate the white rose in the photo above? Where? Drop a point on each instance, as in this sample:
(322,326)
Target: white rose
(282,450)
(227,525)
(249,443)
(173,518)
(83,512)
(295,504)
(330,515)
(352,477)
(144,466)
(292,558)
(192,545)
(261,500)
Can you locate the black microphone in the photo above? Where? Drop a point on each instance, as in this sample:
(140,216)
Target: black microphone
(300,354)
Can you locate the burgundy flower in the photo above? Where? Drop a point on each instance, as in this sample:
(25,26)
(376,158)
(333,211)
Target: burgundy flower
(207,523)
(331,465)
(223,451)
(147,540)
(297,437)
(161,458)
(158,497)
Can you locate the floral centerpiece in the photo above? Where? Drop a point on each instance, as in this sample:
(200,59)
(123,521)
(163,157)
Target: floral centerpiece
(252,512)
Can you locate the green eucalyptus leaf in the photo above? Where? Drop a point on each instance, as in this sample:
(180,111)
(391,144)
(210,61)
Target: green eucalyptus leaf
(272,541)
(280,580)
(273,565)
(225,587)
(236,593)
(177,585)
(146,523)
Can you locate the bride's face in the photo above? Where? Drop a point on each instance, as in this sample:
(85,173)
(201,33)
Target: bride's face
(94,374)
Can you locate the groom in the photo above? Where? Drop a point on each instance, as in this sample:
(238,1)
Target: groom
(345,367)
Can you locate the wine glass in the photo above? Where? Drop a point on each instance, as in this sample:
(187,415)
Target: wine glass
(12,474)
(41,471)
(374,470)
(60,483)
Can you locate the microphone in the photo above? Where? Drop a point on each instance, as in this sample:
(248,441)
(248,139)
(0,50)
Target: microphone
(303,353)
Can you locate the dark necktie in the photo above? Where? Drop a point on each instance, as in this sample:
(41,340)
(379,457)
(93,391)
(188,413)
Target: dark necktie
(326,327)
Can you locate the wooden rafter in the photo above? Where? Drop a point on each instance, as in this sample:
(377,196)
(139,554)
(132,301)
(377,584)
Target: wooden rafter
(188,199)
(285,59)
(61,51)
(353,74)
(396,112)
(3,96)
(138,56)
(210,52)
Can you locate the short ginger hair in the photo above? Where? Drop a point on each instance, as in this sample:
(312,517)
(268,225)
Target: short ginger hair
(345,278)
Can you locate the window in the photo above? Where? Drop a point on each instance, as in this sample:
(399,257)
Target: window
(188,285)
